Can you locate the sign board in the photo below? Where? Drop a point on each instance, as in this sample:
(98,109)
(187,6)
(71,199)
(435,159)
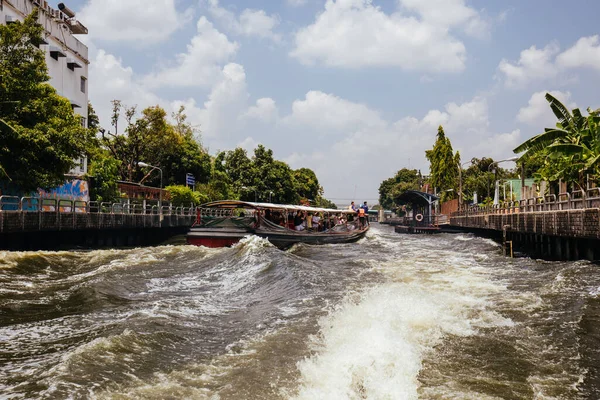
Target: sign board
(190,179)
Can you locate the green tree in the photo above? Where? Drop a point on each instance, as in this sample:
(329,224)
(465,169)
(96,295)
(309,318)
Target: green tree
(188,157)
(183,196)
(103,175)
(219,186)
(93,122)
(390,189)
(568,151)
(41,135)
(443,166)
(151,138)
(238,167)
(307,185)
(480,178)
(324,203)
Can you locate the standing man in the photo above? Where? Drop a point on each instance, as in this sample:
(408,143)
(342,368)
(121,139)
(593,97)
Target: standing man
(352,207)
(365,214)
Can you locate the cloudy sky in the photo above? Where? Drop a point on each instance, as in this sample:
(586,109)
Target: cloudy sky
(353,89)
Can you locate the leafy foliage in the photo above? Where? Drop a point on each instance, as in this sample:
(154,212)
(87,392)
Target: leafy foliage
(103,175)
(480,178)
(567,152)
(155,141)
(262,177)
(389,190)
(443,166)
(183,196)
(41,135)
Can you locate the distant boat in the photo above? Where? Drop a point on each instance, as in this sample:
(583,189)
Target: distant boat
(224,223)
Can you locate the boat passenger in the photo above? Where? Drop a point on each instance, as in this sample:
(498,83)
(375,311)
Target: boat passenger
(298,221)
(366,208)
(316,221)
(309,221)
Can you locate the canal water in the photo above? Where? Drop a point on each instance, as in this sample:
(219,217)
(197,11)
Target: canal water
(390,317)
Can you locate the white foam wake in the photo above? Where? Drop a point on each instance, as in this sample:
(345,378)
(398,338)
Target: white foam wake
(374,348)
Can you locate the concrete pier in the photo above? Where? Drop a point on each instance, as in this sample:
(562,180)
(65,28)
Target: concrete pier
(556,234)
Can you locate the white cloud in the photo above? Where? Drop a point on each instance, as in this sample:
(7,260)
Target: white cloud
(331,114)
(449,13)
(354,33)
(249,23)
(538,113)
(296,3)
(248,144)
(391,146)
(219,120)
(534,64)
(499,147)
(585,53)
(265,110)
(546,64)
(201,64)
(132,20)
(110,80)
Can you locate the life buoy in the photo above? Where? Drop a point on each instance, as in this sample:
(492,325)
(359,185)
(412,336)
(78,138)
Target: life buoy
(419,217)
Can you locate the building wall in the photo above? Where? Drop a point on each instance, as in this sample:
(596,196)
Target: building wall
(448,207)
(58,34)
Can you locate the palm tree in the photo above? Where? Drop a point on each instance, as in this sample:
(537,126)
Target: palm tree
(571,149)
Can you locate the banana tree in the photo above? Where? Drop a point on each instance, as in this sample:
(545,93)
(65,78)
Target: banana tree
(571,149)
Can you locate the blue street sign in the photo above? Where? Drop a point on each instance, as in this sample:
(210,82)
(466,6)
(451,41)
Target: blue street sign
(190,180)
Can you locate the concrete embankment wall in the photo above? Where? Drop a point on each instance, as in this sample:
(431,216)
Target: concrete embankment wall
(560,235)
(53,231)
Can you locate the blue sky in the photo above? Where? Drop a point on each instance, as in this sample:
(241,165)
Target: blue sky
(353,89)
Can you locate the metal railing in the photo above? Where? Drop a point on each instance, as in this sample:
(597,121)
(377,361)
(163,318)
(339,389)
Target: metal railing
(575,200)
(64,206)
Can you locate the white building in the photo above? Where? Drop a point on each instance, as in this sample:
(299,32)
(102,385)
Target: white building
(66,57)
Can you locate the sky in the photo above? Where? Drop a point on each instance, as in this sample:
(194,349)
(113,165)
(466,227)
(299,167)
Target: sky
(352,89)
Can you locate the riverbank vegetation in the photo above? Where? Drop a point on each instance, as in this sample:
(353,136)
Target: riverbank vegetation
(41,137)
(568,153)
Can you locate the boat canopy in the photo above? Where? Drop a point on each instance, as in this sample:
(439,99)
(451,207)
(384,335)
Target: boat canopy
(271,206)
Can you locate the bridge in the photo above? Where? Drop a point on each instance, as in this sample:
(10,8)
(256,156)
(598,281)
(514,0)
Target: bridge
(31,223)
(563,227)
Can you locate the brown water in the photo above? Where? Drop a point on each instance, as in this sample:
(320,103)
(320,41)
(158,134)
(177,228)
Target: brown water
(390,317)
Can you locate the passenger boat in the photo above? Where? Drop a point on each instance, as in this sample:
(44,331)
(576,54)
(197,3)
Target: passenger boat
(224,223)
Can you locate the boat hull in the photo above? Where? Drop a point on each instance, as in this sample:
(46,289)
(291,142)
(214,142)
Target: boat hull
(285,240)
(211,237)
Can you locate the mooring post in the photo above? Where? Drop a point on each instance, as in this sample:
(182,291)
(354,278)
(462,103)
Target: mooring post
(504,228)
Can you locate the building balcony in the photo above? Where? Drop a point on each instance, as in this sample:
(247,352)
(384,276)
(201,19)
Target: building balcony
(72,64)
(56,52)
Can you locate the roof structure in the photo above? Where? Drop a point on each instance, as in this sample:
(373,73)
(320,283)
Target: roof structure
(272,206)
(417,198)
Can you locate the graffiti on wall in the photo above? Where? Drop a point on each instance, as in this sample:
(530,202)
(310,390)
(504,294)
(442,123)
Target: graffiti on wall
(70,195)
(65,196)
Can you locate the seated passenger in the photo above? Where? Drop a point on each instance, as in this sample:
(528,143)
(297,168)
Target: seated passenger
(299,221)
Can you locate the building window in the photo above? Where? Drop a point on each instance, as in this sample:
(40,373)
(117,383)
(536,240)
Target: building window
(83,121)
(83,79)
